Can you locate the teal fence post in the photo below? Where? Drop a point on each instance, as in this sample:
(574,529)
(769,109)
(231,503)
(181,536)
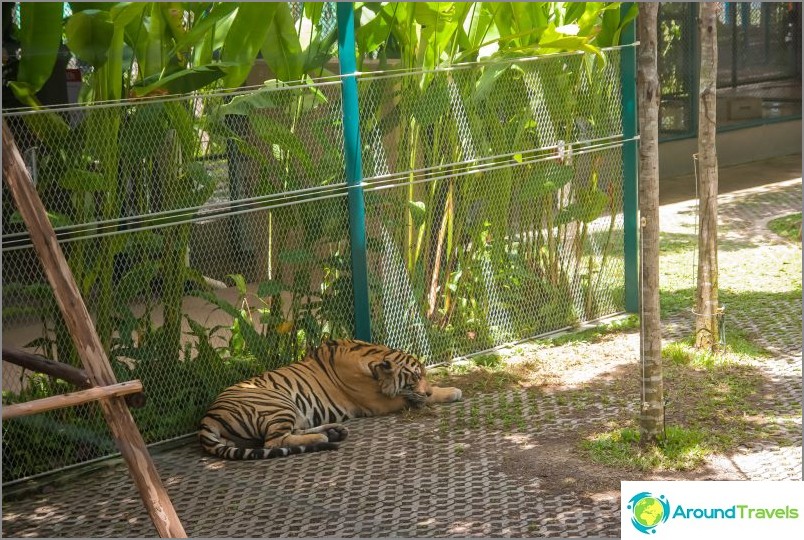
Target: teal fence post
(354,169)
(630,164)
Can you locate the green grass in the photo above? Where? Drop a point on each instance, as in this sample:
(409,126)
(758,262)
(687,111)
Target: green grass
(681,450)
(592,335)
(788,227)
(751,276)
(709,409)
(737,347)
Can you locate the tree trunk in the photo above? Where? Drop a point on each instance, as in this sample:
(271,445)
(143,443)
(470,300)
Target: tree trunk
(706,305)
(651,420)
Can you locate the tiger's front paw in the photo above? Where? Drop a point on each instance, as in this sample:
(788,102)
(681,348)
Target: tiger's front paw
(445,395)
(337,433)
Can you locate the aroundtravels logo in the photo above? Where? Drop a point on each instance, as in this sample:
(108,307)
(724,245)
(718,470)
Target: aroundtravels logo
(710,508)
(648,511)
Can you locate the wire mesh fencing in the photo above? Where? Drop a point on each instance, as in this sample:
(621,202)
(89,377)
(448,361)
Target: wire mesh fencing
(492,198)
(209,234)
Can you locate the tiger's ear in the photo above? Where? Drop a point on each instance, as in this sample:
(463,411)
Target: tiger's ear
(384,366)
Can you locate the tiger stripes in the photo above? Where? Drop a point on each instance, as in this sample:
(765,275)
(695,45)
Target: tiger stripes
(299,408)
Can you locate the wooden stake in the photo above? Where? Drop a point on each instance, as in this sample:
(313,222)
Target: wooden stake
(71,399)
(124,431)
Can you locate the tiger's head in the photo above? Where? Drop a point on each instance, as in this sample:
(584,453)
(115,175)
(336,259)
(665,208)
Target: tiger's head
(392,373)
(400,374)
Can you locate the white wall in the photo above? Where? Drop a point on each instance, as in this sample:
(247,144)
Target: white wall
(733,147)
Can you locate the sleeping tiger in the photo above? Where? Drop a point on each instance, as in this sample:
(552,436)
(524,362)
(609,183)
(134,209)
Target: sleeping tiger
(298,408)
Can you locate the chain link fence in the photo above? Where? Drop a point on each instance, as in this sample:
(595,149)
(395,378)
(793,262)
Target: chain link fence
(759,64)
(493,193)
(209,235)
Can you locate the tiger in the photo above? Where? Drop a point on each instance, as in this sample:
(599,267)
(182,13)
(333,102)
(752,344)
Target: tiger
(299,408)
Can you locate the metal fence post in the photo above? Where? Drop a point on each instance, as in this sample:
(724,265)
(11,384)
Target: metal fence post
(630,163)
(354,169)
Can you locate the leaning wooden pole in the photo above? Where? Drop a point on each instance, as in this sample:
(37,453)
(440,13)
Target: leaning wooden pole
(124,431)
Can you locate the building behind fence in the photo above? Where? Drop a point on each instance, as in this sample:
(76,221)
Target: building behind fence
(209,234)
(759,65)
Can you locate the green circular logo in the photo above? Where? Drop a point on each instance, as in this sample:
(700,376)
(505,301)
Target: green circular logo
(648,511)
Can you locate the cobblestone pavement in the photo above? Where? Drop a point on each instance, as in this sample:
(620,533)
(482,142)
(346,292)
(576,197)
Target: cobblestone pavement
(457,472)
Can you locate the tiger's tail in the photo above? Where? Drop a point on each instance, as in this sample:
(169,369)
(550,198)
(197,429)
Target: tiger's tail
(212,443)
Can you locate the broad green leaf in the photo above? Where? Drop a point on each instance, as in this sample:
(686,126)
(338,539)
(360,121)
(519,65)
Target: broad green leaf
(546,178)
(529,15)
(125,13)
(433,103)
(89,6)
(245,104)
(89,36)
(137,280)
(184,81)
(81,180)
(268,288)
(296,256)
(487,81)
(612,24)
(417,212)
(575,10)
(207,24)
(25,93)
(212,38)
(156,45)
(313,11)
(240,283)
(273,132)
(57,220)
(587,208)
(372,33)
(40,38)
(479,25)
(173,14)
(250,27)
(281,48)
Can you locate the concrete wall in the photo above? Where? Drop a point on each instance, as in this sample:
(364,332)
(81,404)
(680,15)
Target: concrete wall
(733,147)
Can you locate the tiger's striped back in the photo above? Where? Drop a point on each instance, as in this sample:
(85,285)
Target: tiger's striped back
(299,408)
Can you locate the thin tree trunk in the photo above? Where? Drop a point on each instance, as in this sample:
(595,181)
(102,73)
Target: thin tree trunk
(706,327)
(651,420)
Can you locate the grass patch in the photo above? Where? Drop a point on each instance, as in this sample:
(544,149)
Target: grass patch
(681,450)
(788,227)
(474,379)
(737,347)
(752,276)
(592,335)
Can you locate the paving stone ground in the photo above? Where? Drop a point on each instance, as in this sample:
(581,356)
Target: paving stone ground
(436,474)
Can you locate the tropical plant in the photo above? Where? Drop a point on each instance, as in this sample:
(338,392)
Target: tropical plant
(488,115)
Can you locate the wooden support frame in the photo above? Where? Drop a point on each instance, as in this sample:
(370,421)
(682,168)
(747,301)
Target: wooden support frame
(40,364)
(60,370)
(127,437)
(69,400)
